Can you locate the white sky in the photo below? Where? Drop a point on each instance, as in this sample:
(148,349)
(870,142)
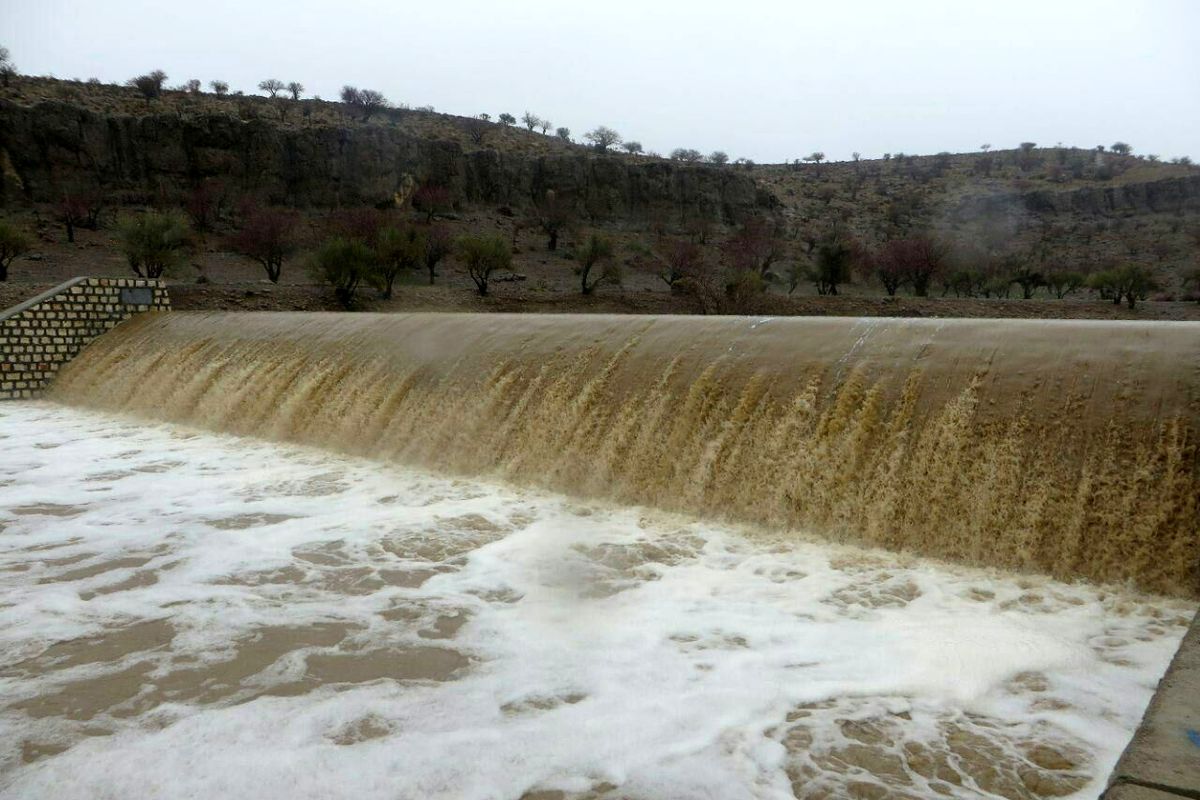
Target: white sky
(767,80)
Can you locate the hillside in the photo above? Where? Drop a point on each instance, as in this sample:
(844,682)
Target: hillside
(56,136)
(1045,209)
(1062,208)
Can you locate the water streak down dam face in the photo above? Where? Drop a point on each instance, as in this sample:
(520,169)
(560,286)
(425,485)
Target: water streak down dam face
(1062,447)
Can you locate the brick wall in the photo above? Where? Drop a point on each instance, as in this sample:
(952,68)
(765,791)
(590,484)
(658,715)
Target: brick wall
(41,334)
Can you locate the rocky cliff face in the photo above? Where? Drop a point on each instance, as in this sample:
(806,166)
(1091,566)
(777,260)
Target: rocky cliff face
(1167,195)
(50,146)
(1156,197)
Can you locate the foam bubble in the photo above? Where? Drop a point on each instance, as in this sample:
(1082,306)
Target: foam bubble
(184,615)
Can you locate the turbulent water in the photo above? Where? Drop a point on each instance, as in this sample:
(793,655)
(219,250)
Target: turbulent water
(191,615)
(1067,448)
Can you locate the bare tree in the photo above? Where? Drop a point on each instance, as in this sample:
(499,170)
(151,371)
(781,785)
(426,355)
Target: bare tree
(150,86)
(476,129)
(432,200)
(915,260)
(718,157)
(295,88)
(687,155)
(271,86)
(544,125)
(632,147)
(554,215)
(815,157)
(7,68)
(530,120)
(890,265)
(365,101)
(680,260)
(755,247)
(603,138)
(219,88)
(438,245)
(203,203)
(1121,148)
(80,208)
(371,101)
(563,133)
(268,236)
(192,86)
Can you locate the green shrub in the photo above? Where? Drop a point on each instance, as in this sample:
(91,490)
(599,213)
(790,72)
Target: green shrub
(396,249)
(343,264)
(596,265)
(13,242)
(1131,282)
(155,242)
(483,256)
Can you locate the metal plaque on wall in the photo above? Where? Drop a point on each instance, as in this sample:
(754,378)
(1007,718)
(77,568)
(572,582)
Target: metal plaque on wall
(137,296)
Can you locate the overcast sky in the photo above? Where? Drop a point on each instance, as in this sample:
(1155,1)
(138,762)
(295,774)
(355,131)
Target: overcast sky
(766,80)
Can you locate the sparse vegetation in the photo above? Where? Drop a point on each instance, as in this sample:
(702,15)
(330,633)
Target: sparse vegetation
(596,264)
(432,200)
(832,263)
(13,242)
(367,102)
(484,255)
(269,236)
(438,245)
(1129,282)
(155,242)
(150,85)
(603,138)
(343,264)
(397,249)
(680,260)
(80,208)
(8,69)
(553,215)
(708,255)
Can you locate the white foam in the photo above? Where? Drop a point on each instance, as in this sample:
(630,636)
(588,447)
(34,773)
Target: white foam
(608,646)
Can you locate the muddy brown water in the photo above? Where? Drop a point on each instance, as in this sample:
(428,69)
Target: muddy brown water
(1063,447)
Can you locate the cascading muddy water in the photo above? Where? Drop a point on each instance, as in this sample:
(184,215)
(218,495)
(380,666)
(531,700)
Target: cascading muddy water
(1064,447)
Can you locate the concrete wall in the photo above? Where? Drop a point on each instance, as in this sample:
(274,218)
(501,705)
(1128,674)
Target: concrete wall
(43,333)
(1162,761)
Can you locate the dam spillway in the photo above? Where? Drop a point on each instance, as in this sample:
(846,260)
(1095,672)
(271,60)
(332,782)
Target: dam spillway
(1067,448)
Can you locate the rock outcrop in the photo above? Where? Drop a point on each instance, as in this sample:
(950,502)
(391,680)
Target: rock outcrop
(53,145)
(1166,195)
